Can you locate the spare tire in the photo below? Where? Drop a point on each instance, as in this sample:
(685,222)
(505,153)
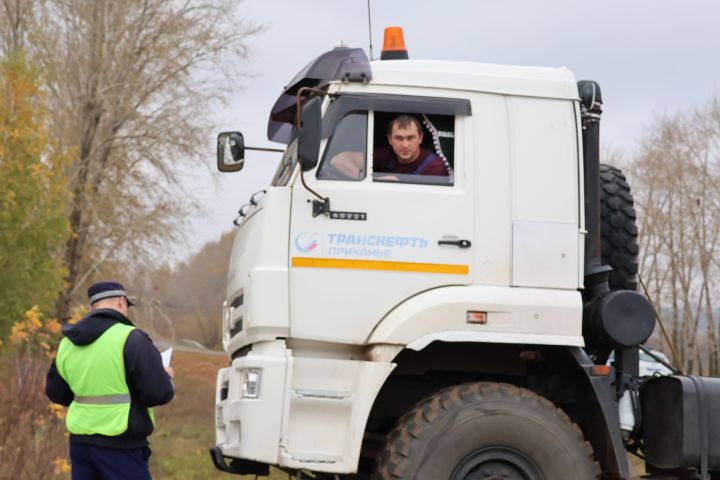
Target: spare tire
(618,229)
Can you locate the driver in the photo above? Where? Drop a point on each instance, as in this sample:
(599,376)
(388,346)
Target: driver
(404,155)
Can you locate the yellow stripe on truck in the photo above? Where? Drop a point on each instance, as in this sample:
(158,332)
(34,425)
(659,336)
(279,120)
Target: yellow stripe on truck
(380,265)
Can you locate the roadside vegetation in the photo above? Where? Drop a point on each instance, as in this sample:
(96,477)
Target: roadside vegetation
(675,176)
(32,195)
(127,90)
(33,440)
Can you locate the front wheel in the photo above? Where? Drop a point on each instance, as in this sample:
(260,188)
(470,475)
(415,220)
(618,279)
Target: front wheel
(486,431)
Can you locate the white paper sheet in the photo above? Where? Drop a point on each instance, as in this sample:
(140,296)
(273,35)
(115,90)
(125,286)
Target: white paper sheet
(166,356)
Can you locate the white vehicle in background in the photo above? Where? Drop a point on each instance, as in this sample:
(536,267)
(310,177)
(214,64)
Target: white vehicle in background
(649,366)
(449,327)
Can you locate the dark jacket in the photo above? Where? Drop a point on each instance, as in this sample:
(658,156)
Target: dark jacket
(385,161)
(145,375)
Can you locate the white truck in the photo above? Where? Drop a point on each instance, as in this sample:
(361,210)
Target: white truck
(444,327)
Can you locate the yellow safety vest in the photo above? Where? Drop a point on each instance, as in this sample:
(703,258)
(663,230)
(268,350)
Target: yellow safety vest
(96,375)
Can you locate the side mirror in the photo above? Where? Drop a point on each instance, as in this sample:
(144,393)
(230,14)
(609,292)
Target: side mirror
(230,152)
(309,133)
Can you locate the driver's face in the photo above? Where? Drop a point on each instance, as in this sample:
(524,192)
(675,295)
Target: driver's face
(405,142)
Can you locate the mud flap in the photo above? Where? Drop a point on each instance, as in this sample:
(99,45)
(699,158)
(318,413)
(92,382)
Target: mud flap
(603,423)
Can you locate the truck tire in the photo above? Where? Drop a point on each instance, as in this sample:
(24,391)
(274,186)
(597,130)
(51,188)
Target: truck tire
(618,229)
(488,431)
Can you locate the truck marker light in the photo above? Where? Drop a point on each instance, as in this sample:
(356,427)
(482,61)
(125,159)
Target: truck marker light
(394,45)
(479,318)
(530,356)
(600,370)
(250,386)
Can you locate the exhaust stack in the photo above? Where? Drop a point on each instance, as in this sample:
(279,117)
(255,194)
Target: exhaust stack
(596,274)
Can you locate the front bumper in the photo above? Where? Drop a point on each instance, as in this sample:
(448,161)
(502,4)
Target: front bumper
(310,412)
(250,427)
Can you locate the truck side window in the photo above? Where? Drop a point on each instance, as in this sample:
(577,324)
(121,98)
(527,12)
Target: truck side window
(345,155)
(413,148)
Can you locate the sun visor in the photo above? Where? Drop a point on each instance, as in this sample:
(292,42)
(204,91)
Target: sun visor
(340,63)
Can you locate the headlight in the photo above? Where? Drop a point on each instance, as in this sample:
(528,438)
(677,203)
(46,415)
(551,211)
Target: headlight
(250,386)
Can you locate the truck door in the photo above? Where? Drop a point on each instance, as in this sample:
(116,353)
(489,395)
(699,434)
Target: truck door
(388,236)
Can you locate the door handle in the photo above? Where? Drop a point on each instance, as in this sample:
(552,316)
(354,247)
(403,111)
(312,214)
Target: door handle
(457,243)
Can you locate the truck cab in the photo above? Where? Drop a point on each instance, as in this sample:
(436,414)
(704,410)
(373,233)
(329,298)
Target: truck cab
(358,298)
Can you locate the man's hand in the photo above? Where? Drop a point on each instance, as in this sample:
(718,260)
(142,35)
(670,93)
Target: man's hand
(349,163)
(386,178)
(170,372)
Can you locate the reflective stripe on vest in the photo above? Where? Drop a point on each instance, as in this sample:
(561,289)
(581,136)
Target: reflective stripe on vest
(96,375)
(103,399)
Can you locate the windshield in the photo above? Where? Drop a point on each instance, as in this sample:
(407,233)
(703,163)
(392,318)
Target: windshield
(287,165)
(644,357)
(647,358)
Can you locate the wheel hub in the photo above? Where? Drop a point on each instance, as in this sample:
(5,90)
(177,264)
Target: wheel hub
(497,463)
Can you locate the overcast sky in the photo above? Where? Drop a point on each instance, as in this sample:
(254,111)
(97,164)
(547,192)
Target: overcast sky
(651,57)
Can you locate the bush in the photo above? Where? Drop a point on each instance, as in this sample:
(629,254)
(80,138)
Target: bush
(33,439)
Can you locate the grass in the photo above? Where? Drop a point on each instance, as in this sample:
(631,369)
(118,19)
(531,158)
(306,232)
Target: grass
(185,428)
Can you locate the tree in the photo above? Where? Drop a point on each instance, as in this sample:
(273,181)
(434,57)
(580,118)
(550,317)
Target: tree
(186,301)
(32,195)
(132,83)
(677,188)
(14,15)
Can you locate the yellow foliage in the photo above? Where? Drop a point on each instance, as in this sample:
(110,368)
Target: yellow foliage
(61,466)
(32,318)
(34,332)
(57,411)
(52,327)
(18,334)
(77,314)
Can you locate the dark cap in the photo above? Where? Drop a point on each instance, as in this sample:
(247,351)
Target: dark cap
(102,290)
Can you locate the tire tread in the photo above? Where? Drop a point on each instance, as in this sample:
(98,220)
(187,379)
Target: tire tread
(393,461)
(618,229)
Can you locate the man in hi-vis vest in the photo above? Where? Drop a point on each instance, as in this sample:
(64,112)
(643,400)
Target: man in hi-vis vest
(110,374)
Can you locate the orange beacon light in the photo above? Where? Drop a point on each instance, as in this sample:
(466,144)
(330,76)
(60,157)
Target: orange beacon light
(394,45)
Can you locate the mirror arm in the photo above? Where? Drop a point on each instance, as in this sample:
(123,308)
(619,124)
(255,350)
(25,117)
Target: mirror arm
(298,112)
(302,179)
(259,149)
(298,101)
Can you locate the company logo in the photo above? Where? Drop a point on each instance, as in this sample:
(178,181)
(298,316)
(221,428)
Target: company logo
(307,242)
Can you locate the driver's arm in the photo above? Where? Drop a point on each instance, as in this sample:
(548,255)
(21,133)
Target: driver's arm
(351,164)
